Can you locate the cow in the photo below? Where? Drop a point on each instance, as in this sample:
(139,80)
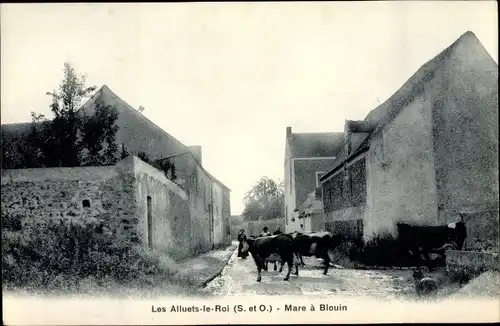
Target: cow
(263,248)
(313,244)
(421,241)
(278,231)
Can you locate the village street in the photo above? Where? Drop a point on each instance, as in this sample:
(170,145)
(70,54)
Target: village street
(239,278)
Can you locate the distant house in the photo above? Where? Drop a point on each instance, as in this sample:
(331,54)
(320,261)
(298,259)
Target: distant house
(310,212)
(209,199)
(307,156)
(427,154)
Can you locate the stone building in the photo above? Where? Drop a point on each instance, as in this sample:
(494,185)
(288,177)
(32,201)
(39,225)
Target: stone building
(425,155)
(208,198)
(307,155)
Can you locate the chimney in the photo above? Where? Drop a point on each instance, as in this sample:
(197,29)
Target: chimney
(288,132)
(348,133)
(196,150)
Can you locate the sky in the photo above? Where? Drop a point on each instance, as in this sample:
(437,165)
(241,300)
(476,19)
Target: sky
(232,76)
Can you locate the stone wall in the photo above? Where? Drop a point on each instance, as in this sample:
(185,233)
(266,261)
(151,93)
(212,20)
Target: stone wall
(482,229)
(348,230)
(457,260)
(344,196)
(76,194)
(466,143)
(226,216)
(346,214)
(198,188)
(217,215)
(163,211)
(133,199)
(401,185)
(209,207)
(346,187)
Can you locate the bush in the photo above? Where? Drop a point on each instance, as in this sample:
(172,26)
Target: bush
(463,275)
(383,250)
(484,245)
(56,254)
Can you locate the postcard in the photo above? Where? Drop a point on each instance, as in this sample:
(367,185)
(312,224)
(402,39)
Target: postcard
(249,163)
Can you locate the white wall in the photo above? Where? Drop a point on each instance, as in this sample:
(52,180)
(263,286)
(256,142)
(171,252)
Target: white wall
(217,214)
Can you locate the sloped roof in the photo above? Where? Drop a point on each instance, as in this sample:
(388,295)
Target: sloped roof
(311,203)
(140,133)
(136,131)
(360,125)
(386,112)
(315,144)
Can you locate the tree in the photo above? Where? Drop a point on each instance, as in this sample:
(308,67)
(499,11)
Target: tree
(72,138)
(99,136)
(164,165)
(63,142)
(265,200)
(34,145)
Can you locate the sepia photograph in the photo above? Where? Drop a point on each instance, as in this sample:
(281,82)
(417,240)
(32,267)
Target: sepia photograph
(249,162)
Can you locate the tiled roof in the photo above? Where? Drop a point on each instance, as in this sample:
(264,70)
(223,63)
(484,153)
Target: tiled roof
(315,144)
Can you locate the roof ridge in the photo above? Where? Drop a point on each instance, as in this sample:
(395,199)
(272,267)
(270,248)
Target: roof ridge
(142,116)
(420,76)
(468,35)
(105,88)
(317,133)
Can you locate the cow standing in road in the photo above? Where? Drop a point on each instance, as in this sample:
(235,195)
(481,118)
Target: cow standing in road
(314,244)
(266,233)
(277,232)
(298,256)
(420,241)
(263,247)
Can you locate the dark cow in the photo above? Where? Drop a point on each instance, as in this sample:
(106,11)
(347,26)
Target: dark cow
(421,241)
(278,231)
(313,244)
(263,248)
